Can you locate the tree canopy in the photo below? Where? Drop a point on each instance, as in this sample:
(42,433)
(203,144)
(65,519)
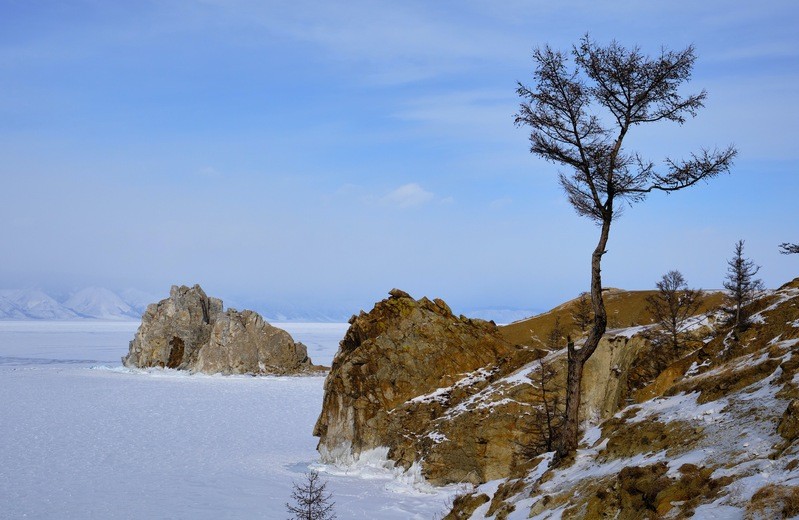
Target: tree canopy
(579,112)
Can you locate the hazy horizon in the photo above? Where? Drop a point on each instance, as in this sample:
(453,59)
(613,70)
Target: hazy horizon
(95,305)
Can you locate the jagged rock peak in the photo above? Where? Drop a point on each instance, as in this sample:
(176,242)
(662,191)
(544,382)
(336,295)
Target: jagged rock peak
(397,293)
(190,331)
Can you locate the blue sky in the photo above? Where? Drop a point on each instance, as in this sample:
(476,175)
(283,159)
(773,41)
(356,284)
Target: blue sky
(317,154)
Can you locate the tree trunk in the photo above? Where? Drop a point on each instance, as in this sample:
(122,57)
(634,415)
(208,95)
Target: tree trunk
(570,434)
(738,305)
(675,343)
(547,413)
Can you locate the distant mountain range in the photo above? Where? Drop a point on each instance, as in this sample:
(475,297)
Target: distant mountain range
(99,303)
(90,303)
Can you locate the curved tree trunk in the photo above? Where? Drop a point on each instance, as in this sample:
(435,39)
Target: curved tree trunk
(573,113)
(570,434)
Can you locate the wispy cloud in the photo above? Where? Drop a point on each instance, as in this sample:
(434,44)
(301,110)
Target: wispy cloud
(504,202)
(408,195)
(390,43)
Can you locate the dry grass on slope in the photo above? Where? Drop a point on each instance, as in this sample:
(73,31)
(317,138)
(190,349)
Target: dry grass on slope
(721,441)
(624,308)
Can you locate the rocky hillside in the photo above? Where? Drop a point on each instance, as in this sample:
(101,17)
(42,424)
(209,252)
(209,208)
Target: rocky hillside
(453,398)
(190,331)
(709,434)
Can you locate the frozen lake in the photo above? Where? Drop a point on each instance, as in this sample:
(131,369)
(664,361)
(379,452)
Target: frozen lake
(82,437)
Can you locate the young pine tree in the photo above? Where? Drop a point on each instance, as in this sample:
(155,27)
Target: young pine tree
(742,286)
(555,335)
(311,499)
(673,304)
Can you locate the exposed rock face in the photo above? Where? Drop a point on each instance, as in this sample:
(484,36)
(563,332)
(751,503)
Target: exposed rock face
(398,371)
(451,394)
(242,342)
(174,330)
(190,331)
(605,375)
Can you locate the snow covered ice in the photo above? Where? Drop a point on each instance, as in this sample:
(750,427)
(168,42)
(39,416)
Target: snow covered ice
(84,437)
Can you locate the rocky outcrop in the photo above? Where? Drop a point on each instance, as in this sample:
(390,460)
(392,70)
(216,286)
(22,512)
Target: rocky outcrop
(452,394)
(190,331)
(396,383)
(605,375)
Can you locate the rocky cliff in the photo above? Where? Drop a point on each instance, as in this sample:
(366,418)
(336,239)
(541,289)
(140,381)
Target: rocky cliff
(190,331)
(452,395)
(398,370)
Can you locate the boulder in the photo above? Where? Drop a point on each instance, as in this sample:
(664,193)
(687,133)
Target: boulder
(190,331)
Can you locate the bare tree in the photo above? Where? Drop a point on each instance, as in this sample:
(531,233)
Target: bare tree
(789,249)
(551,412)
(311,499)
(671,307)
(581,315)
(579,115)
(742,285)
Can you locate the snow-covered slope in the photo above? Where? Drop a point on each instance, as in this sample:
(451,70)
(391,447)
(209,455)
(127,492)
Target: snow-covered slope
(33,304)
(91,303)
(139,300)
(720,439)
(10,310)
(100,303)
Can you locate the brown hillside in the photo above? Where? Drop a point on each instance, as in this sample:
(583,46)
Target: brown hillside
(727,409)
(625,309)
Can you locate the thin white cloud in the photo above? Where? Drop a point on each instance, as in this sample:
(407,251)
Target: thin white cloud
(408,195)
(500,203)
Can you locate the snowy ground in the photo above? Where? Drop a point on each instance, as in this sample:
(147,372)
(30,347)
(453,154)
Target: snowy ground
(83,437)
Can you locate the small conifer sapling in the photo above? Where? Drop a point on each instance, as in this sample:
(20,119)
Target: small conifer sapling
(311,499)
